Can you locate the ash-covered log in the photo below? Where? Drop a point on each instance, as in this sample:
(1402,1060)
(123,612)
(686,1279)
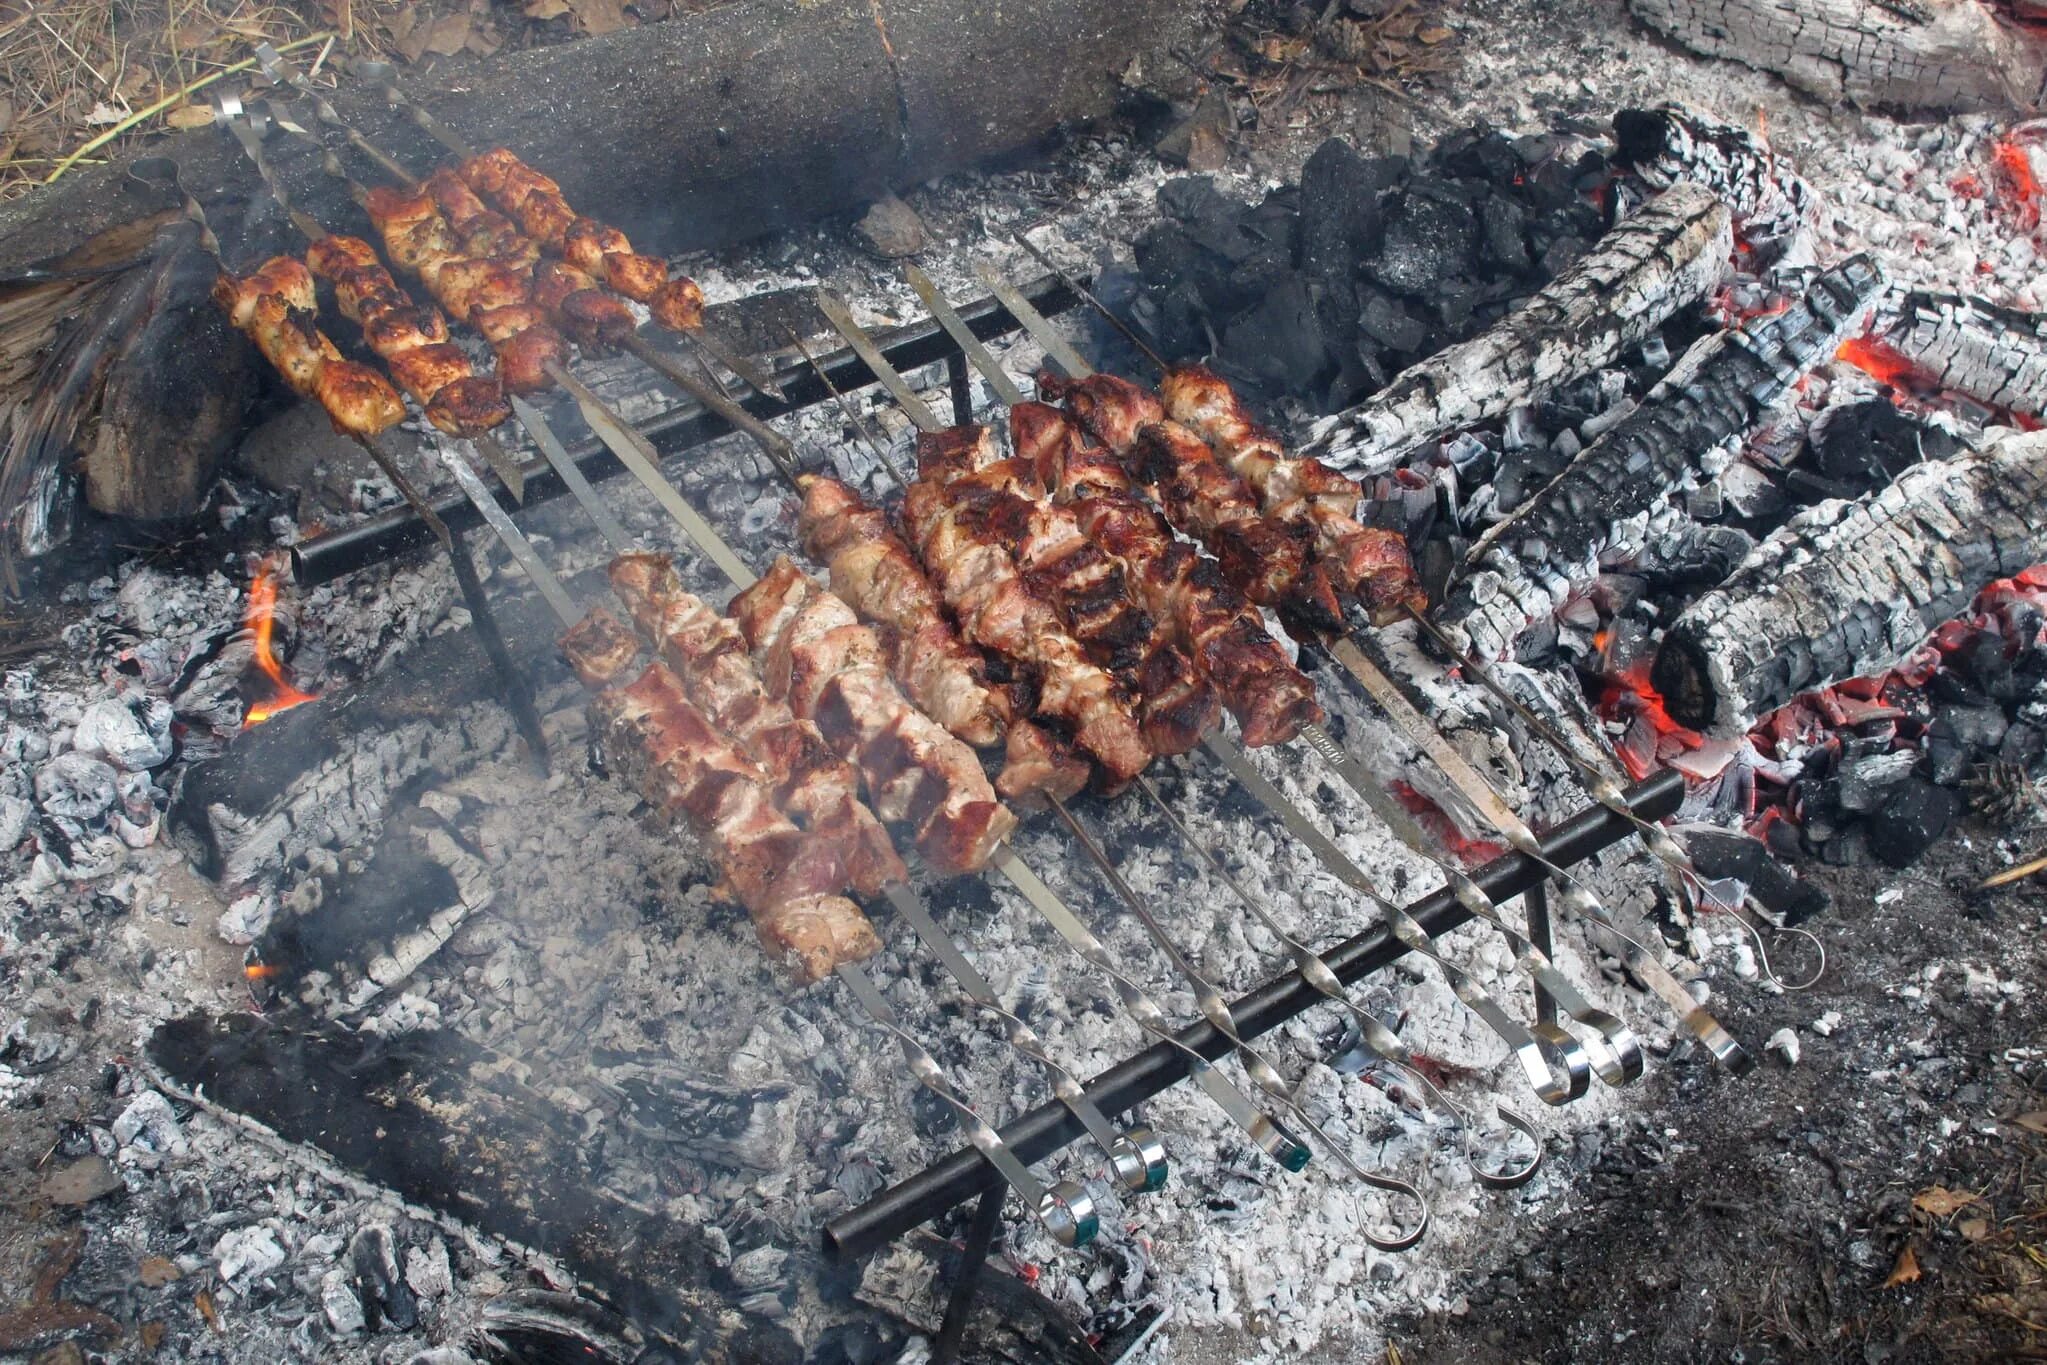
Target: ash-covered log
(1672,145)
(449,1127)
(1850,589)
(1894,54)
(1529,564)
(1658,260)
(1963,345)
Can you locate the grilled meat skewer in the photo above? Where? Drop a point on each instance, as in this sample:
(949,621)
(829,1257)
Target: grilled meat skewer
(413,341)
(1224,635)
(276,307)
(787,878)
(878,576)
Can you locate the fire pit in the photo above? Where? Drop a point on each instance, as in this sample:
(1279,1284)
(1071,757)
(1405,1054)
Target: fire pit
(1177,778)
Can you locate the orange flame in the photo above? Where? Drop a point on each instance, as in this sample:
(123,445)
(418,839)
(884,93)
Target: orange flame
(1877,360)
(262,619)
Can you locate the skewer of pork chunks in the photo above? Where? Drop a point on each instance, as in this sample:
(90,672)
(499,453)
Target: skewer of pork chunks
(808,778)
(276,306)
(976,573)
(1270,563)
(1270,698)
(788,879)
(1366,562)
(876,574)
(1175,703)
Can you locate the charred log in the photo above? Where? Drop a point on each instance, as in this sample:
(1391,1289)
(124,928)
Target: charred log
(1670,146)
(1526,567)
(1963,345)
(328,773)
(449,1127)
(1849,589)
(1660,259)
(1926,54)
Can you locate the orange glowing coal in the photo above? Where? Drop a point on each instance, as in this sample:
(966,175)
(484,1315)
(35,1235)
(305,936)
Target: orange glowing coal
(261,618)
(1878,361)
(2015,170)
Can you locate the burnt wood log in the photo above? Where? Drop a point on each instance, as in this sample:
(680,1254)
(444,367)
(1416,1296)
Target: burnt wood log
(1672,145)
(327,773)
(447,1126)
(1529,564)
(1894,54)
(705,129)
(1849,589)
(1963,345)
(1652,263)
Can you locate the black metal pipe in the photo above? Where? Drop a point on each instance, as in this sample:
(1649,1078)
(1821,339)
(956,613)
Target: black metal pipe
(1051,1126)
(684,427)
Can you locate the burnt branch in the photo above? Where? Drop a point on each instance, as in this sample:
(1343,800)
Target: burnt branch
(1932,54)
(1849,589)
(1994,355)
(1650,265)
(1530,563)
(1674,146)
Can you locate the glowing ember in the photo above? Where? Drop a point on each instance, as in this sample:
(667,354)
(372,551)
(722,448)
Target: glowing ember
(1878,361)
(2015,171)
(262,619)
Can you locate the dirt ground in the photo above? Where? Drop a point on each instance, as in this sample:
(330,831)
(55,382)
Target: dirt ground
(1768,1219)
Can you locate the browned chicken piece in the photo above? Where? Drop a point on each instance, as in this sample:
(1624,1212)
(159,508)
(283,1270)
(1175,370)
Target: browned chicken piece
(413,229)
(814,653)
(388,326)
(787,879)
(332,257)
(708,653)
(424,371)
(592,318)
(606,254)
(1225,636)
(1113,410)
(489,172)
(469,287)
(466,407)
(281,277)
(357,398)
(1368,563)
(678,305)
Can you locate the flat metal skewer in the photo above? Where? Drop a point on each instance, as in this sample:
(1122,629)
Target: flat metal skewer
(1575,895)
(1065,1209)
(1615,1056)
(1137,1157)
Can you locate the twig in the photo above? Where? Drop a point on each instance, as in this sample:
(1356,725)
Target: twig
(176,97)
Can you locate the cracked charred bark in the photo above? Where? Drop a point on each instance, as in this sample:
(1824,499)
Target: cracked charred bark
(1994,355)
(1647,267)
(1902,54)
(1530,563)
(1849,589)
(1673,146)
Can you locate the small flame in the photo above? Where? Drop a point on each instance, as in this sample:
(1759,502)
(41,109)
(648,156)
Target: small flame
(259,971)
(262,619)
(1878,361)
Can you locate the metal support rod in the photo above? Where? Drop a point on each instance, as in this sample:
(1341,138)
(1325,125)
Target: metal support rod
(1049,1127)
(686,427)
(1536,901)
(959,1305)
(959,381)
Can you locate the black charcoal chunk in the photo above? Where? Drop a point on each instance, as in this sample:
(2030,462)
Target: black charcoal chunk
(1916,815)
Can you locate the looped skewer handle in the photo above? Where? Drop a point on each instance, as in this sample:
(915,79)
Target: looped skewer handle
(1379,1040)
(1557,1073)
(1065,1210)
(1256,1065)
